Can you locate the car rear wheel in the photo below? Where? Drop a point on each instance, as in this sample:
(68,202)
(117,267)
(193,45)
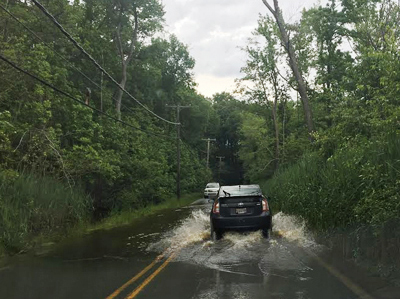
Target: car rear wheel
(265,233)
(215,234)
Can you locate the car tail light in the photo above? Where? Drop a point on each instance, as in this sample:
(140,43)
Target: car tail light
(216,207)
(265,206)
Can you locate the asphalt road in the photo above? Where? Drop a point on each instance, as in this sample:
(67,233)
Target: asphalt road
(169,255)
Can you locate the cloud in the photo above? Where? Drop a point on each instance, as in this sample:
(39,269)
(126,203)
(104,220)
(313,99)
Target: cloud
(209,85)
(216,30)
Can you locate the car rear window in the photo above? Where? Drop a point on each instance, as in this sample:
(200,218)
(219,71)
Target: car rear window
(246,190)
(212,186)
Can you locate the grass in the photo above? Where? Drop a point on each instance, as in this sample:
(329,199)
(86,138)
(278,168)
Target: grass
(32,205)
(358,184)
(126,217)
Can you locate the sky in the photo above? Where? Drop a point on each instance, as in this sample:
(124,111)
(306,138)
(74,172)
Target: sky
(216,30)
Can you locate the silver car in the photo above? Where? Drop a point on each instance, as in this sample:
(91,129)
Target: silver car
(211,190)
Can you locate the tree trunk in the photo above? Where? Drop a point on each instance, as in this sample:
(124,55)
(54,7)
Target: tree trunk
(275,121)
(294,65)
(124,60)
(120,92)
(276,125)
(283,129)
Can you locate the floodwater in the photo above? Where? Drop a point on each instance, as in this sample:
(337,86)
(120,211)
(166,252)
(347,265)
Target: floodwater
(290,264)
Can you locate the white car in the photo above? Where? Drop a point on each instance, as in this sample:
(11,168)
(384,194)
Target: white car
(211,190)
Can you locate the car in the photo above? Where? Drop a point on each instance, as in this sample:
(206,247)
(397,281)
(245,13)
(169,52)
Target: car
(211,190)
(240,208)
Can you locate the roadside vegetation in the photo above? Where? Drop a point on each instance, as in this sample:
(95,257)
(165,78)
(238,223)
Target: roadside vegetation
(358,184)
(31,205)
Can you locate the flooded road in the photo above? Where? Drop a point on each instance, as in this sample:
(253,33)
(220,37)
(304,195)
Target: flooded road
(170,255)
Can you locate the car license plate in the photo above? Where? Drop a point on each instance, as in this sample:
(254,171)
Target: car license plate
(241,211)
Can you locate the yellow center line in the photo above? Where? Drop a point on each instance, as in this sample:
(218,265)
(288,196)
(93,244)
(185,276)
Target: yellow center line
(150,278)
(136,277)
(356,289)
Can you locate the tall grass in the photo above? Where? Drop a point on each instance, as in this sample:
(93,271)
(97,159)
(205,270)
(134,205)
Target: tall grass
(30,205)
(360,183)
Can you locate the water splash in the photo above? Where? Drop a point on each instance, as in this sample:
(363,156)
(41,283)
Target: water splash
(293,229)
(240,240)
(233,254)
(193,229)
(196,229)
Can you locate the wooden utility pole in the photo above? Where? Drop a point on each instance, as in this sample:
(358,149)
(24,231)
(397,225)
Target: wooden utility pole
(178,148)
(208,149)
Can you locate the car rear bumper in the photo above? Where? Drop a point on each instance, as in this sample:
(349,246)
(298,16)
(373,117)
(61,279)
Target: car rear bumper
(262,221)
(210,194)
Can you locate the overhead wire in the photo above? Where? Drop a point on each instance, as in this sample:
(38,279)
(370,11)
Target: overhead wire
(58,53)
(45,83)
(75,42)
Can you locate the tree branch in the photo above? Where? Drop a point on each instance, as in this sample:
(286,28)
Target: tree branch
(269,7)
(20,141)
(61,161)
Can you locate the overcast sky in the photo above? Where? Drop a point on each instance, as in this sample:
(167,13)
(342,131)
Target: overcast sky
(215,30)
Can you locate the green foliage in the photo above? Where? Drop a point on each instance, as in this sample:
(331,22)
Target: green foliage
(62,143)
(357,184)
(255,148)
(30,204)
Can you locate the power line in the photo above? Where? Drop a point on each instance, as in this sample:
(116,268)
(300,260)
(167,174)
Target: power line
(58,53)
(77,100)
(68,35)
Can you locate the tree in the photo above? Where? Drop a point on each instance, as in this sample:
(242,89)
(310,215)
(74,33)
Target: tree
(326,28)
(294,65)
(261,68)
(227,134)
(254,150)
(132,21)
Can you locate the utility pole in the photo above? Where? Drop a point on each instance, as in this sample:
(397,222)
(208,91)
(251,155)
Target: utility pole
(219,167)
(208,149)
(178,148)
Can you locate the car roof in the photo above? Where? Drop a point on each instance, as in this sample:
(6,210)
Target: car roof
(240,190)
